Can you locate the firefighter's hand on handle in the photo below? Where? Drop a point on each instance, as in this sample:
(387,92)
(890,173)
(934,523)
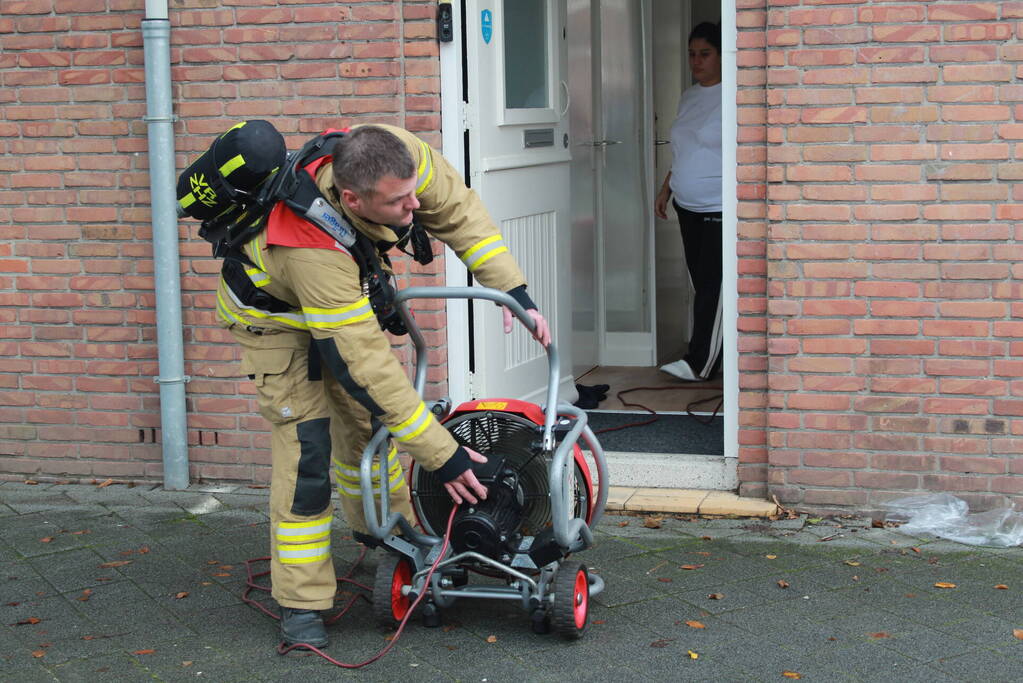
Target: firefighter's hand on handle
(542,333)
(466,486)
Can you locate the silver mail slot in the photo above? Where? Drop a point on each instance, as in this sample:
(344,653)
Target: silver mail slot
(538,137)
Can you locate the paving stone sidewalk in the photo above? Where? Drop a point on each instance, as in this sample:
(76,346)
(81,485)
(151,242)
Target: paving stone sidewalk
(140,584)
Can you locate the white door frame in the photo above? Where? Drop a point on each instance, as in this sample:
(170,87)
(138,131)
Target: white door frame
(453,127)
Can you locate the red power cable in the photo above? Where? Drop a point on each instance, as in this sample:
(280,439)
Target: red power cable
(284,649)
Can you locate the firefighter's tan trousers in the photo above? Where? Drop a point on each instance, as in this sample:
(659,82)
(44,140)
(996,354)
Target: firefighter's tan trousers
(315,427)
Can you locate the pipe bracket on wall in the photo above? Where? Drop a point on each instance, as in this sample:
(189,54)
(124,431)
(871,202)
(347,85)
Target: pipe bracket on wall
(173,380)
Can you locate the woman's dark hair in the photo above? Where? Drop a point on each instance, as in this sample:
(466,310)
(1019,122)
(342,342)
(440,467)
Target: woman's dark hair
(709,32)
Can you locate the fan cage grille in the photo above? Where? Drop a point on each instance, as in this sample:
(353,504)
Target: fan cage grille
(494,433)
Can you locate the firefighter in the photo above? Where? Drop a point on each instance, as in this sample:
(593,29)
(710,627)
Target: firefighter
(324,371)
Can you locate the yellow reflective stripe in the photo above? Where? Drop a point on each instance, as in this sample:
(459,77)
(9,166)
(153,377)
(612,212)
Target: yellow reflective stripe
(349,492)
(337,317)
(304,553)
(483,252)
(255,250)
(353,489)
(425,173)
(412,427)
(237,125)
(487,257)
(186,201)
(295,532)
(226,313)
(290,319)
(232,165)
(258,277)
(351,476)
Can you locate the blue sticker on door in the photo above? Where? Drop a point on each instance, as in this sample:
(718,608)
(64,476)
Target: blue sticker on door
(487,25)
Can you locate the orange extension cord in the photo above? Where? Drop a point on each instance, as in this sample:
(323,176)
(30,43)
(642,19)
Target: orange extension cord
(282,649)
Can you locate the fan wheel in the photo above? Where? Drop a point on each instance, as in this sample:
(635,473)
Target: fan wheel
(571,609)
(512,437)
(390,605)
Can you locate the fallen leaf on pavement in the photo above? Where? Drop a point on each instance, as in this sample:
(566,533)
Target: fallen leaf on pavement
(782,583)
(39,653)
(1002,587)
(664,579)
(690,567)
(693,655)
(653,522)
(597,621)
(706,538)
(702,553)
(716,596)
(79,533)
(663,642)
(29,621)
(85,595)
(111,565)
(143,652)
(31,482)
(220,574)
(1018,633)
(182,594)
(257,486)
(625,523)
(915,549)
(186,663)
(876,524)
(491,639)
(852,563)
(879,634)
(771,557)
(695,624)
(108,482)
(791,674)
(944,584)
(143,550)
(46,539)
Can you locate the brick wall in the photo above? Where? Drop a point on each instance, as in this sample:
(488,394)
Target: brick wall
(77,318)
(880,249)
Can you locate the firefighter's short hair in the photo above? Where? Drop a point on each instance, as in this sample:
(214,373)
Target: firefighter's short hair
(367,154)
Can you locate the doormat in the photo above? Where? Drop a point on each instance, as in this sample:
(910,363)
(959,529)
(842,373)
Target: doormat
(669,434)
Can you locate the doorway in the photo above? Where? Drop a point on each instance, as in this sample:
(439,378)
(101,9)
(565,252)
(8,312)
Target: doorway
(590,319)
(632,297)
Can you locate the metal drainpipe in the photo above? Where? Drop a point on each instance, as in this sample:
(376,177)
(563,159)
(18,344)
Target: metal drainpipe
(160,131)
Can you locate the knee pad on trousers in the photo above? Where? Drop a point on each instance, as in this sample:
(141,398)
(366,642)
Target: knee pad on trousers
(312,485)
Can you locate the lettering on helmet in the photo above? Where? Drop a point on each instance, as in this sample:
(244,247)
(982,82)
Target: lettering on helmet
(201,189)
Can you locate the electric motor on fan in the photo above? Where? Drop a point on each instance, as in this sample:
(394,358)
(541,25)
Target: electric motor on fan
(490,527)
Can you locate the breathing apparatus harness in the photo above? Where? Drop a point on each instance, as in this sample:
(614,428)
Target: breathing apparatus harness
(248,211)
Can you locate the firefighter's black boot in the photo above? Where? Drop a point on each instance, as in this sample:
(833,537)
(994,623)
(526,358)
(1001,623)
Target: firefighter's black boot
(303,626)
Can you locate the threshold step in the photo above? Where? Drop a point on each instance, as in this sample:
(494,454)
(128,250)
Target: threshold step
(672,470)
(687,501)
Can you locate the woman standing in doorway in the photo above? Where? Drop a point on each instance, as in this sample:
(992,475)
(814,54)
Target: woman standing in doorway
(694,186)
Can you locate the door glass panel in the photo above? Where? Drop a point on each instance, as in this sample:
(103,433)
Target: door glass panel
(526,56)
(625,202)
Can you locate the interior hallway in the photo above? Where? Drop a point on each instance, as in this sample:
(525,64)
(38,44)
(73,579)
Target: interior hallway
(662,393)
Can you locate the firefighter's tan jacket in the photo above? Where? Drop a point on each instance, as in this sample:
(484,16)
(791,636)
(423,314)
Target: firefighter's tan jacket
(323,285)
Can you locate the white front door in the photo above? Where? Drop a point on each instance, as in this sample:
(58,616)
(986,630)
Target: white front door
(519,156)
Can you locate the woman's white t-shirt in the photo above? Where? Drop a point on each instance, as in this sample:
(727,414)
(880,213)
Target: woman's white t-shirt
(696,149)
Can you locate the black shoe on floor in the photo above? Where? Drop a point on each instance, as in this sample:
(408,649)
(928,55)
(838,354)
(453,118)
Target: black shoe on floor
(303,626)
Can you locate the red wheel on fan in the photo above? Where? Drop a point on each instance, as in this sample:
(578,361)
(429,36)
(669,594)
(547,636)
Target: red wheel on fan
(390,603)
(571,611)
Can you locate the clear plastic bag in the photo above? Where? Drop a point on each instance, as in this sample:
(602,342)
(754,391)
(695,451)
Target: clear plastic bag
(945,516)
